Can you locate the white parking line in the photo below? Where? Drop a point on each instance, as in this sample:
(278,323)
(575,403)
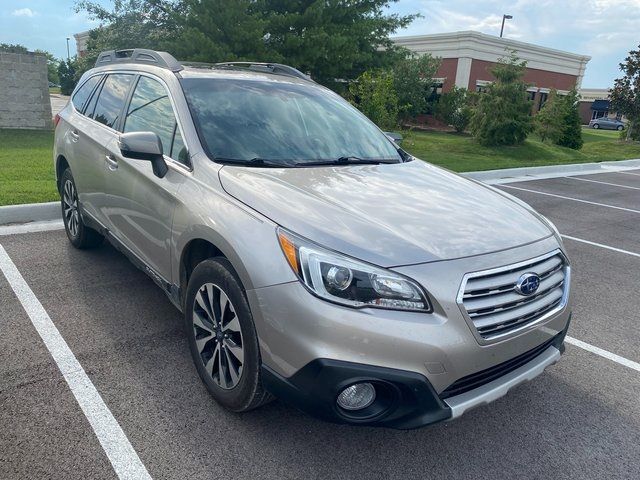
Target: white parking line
(603,183)
(629,173)
(604,353)
(123,457)
(588,242)
(573,199)
(31,227)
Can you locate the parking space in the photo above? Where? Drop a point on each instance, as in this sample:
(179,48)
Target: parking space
(580,419)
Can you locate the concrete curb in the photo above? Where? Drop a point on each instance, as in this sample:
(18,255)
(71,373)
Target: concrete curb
(510,175)
(40,212)
(32,212)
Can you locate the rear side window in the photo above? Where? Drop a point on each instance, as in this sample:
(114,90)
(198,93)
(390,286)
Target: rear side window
(150,110)
(80,97)
(111,100)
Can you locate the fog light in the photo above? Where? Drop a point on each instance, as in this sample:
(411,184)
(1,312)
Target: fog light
(357,396)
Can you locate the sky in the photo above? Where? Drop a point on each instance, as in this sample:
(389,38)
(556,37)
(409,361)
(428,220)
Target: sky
(604,29)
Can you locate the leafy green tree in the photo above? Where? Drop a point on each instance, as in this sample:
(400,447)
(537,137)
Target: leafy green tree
(67,74)
(52,66)
(455,108)
(625,95)
(374,95)
(503,113)
(413,82)
(13,48)
(570,135)
(548,122)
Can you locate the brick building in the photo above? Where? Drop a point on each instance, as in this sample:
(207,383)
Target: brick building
(467,58)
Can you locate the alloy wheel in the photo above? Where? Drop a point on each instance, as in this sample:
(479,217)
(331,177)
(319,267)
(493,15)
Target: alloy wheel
(70,206)
(218,336)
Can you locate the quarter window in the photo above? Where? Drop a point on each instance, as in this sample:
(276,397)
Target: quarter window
(150,110)
(80,97)
(111,99)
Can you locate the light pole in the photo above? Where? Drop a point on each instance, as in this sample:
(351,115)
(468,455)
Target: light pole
(504,17)
(69,38)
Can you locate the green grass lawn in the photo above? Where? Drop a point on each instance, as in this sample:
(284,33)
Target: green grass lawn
(461,154)
(26,167)
(54,90)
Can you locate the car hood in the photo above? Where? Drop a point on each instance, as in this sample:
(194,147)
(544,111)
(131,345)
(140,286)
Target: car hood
(389,215)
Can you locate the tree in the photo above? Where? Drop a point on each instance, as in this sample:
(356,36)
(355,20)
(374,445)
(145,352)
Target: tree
(374,95)
(625,95)
(52,66)
(503,113)
(66,72)
(329,39)
(570,135)
(13,48)
(548,121)
(413,82)
(454,108)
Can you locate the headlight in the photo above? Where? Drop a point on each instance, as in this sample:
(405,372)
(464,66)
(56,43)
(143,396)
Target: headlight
(347,281)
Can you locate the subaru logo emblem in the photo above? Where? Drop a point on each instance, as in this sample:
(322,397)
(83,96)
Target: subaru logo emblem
(528,284)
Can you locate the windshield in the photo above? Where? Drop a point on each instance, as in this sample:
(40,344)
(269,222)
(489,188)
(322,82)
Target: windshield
(282,124)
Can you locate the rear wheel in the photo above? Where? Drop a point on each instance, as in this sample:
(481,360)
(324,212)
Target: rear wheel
(620,128)
(222,336)
(78,233)
(596,126)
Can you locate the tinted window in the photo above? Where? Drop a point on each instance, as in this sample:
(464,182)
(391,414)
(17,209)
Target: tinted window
(80,97)
(280,121)
(150,110)
(111,99)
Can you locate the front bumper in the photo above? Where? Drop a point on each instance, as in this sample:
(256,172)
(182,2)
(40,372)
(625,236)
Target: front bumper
(405,400)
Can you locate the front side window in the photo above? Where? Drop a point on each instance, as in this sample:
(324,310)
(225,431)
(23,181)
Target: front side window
(111,99)
(82,94)
(284,123)
(150,110)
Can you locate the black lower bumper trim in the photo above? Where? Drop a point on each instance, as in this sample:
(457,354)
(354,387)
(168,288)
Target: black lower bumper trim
(404,399)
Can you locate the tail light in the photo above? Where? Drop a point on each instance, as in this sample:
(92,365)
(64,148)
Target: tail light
(56,120)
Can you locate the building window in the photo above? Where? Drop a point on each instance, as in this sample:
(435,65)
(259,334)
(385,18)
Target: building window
(542,99)
(531,95)
(435,92)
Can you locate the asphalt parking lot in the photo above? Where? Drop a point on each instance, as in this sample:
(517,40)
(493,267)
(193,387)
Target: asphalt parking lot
(580,419)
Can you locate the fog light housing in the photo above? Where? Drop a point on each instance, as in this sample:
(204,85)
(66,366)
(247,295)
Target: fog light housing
(357,396)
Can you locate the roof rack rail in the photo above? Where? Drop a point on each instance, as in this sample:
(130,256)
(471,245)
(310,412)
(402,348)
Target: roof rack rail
(276,68)
(139,55)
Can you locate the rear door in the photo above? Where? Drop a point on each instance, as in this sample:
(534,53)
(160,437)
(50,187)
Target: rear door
(140,205)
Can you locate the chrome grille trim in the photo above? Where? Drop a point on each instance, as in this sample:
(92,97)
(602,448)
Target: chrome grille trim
(494,309)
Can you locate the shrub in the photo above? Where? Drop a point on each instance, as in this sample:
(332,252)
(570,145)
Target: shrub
(413,83)
(571,130)
(503,113)
(454,108)
(66,73)
(374,95)
(548,121)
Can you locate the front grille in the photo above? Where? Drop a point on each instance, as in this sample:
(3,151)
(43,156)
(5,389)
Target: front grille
(478,379)
(496,309)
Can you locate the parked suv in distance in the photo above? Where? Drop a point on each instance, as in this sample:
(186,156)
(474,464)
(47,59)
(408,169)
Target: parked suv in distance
(312,258)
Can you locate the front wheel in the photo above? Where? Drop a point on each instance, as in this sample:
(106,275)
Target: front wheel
(78,233)
(222,336)
(596,126)
(620,128)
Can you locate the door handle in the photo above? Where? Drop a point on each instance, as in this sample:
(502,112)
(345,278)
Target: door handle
(74,135)
(112,162)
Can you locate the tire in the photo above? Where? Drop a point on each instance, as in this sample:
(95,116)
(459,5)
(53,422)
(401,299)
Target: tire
(78,233)
(596,126)
(224,349)
(620,128)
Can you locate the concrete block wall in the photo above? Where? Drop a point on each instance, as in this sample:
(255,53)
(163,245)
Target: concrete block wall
(24,91)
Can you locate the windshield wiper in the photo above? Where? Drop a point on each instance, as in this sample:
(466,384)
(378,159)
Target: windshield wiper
(347,161)
(255,162)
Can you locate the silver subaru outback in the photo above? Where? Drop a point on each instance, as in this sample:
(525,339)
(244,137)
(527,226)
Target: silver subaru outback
(313,259)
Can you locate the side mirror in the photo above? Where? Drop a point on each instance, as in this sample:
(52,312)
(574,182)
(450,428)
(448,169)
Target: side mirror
(144,146)
(394,137)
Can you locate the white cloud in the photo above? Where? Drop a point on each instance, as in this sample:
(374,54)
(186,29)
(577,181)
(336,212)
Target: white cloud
(23,12)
